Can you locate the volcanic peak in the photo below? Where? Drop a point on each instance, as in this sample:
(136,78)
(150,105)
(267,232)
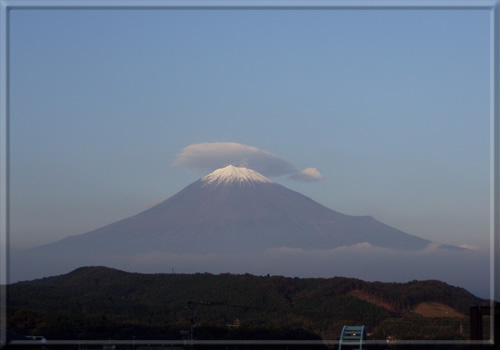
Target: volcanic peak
(232,174)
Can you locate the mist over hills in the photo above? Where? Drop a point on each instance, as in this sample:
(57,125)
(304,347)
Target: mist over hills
(236,220)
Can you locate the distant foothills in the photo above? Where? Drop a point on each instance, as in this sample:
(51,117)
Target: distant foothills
(101,303)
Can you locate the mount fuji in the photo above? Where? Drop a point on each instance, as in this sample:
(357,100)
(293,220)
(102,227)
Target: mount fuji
(232,210)
(235,209)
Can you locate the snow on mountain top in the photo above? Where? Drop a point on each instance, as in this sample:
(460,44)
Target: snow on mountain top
(232,174)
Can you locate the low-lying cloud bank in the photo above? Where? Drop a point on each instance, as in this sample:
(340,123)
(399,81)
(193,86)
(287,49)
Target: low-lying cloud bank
(467,268)
(210,156)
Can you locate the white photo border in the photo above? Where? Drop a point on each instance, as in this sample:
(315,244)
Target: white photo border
(6,6)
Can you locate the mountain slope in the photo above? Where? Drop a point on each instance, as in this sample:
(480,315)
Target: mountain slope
(237,209)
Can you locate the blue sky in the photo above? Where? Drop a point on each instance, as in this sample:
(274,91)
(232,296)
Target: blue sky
(390,106)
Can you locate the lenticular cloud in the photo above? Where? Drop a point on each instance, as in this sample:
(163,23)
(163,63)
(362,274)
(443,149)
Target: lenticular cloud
(215,155)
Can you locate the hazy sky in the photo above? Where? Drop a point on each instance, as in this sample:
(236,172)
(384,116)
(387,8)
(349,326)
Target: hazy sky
(391,107)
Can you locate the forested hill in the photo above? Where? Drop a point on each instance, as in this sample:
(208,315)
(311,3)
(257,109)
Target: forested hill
(109,299)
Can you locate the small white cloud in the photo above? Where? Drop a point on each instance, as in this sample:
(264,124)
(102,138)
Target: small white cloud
(363,246)
(156,202)
(431,248)
(470,246)
(307,175)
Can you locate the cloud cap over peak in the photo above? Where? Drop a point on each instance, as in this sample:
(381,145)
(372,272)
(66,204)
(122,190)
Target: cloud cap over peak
(214,155)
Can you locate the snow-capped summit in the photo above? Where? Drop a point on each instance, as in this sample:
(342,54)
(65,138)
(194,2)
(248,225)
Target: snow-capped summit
(232,174)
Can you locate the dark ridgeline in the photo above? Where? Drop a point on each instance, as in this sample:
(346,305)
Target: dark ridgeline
(104,303)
